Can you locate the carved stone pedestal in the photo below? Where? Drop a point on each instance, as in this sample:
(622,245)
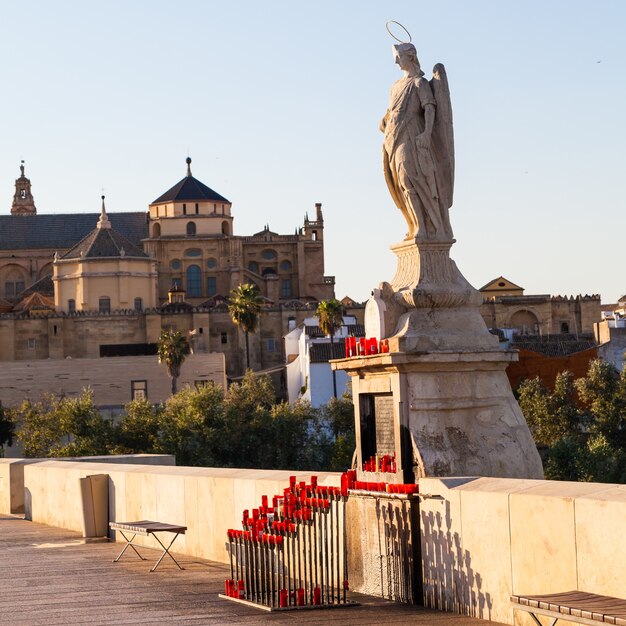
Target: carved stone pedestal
(450,413)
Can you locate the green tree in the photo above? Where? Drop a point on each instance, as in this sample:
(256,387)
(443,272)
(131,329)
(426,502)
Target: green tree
(63,427)
(603,394)
(244,307)
(247,438)
(139,431)
(552,415)
(581,424)
(7,428)
(330,316)
(339,415)
(172,350)
(192,426)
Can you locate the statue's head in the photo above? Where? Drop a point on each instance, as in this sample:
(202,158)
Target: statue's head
(405,53)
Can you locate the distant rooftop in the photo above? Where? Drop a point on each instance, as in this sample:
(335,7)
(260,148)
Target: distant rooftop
(190,189)
(62,231)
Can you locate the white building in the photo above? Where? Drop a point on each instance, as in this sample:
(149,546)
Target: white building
(610,333)
(308,350)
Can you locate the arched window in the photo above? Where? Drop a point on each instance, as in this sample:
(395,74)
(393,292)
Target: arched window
(211,263)
(194,281)
(156,230)
(285,266)
(191,229)
(175,264)
(71,306)
(269,270)
(14,283)
(525,322)
(225,228)
(253,266)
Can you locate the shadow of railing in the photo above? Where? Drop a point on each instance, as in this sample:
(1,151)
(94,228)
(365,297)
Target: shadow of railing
(449,580)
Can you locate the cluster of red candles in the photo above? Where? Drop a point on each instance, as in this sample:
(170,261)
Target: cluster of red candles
(365,346)
(280,527)
(381,463)
(349,481)
(386,487)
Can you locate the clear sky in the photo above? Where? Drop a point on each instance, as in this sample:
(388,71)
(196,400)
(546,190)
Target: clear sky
(278,104)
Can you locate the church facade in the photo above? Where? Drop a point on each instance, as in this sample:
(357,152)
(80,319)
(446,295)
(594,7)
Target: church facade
(91,285)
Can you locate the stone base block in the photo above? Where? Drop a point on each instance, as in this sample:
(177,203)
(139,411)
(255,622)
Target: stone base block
(383,546)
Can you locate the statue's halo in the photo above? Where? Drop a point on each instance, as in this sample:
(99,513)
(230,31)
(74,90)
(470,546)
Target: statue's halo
(402,27)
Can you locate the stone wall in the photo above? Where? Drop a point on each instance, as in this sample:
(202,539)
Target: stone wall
(109,378)
(208,501)
(481,539)
(484,539)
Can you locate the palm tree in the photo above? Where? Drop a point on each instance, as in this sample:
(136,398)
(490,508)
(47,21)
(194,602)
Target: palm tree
(244,307)
(173,349)
(330,316)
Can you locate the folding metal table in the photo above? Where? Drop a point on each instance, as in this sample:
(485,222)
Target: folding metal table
(145,528)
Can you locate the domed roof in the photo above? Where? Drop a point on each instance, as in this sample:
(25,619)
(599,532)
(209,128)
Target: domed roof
(104,242)
(190,189)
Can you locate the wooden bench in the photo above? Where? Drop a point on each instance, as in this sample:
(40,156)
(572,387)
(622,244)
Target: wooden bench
(145,528)
(574,606)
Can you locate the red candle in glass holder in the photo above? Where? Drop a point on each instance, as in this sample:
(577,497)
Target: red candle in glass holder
(313,482)
(284,598)
(317,595)
(344,484)
(300,597)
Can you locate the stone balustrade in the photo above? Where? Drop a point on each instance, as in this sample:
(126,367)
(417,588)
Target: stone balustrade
(481,539)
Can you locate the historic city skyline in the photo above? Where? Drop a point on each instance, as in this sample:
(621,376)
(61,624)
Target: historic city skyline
(116,97)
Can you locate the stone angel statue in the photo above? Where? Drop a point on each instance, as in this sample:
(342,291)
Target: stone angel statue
(418,148)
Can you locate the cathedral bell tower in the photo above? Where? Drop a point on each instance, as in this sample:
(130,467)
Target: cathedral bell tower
(23,201)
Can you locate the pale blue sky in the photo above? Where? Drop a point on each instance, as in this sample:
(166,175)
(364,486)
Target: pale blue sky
(278,104)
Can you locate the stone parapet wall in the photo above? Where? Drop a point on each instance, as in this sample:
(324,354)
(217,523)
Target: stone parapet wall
(208,501)
(12,474)
(484,539)
(481,539)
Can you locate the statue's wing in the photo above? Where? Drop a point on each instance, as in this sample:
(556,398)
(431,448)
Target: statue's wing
(443,135)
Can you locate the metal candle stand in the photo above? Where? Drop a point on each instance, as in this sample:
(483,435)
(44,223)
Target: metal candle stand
(292,555)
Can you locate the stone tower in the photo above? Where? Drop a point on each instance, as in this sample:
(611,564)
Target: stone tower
(23,201)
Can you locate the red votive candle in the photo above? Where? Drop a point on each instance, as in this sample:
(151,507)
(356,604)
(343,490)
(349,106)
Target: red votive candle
(313,482)
(228,585)
(300,597)
(317,595)
(241,584)
(344,484)
(284,598)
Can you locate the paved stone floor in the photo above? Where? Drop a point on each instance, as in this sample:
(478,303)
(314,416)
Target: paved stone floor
(50,576)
